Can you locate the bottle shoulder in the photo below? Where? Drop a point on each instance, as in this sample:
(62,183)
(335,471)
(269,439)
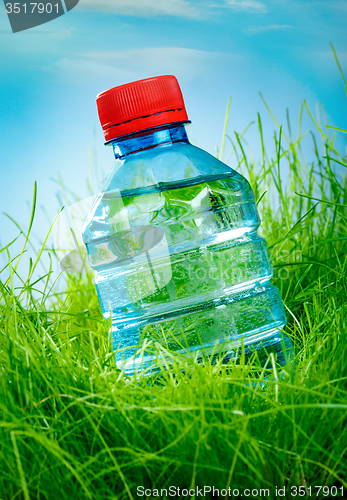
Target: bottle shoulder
(166,165)
(162,185)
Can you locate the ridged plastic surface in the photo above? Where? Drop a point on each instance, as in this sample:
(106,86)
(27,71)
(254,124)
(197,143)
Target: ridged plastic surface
(173,240)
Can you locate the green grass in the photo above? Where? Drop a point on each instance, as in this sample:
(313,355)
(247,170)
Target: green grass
(73,426)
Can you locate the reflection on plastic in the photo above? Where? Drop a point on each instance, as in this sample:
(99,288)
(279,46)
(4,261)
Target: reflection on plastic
(127,244)
(141,265)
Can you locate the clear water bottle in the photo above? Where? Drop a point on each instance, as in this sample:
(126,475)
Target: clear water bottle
(173,239)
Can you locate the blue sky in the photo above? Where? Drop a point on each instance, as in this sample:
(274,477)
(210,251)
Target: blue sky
(50,76)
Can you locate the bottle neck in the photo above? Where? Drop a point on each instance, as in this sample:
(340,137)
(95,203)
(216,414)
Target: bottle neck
(149,139)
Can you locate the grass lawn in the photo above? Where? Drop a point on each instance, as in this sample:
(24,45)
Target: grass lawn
(72,426)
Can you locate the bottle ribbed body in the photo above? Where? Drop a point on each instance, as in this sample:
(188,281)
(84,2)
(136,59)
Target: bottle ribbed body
(178,260)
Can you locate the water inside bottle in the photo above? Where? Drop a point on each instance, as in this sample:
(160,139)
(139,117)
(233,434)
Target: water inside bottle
(181,264)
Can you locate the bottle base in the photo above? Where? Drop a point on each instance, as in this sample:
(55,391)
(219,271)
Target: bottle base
(278,344)
(263,344)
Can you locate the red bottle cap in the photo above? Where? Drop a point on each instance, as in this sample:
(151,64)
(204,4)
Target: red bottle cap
(140,105)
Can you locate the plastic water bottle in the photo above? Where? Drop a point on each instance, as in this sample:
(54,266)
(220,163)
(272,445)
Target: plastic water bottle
(173,239)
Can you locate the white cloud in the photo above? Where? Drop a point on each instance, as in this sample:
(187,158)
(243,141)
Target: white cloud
(340,4)
(325,59)
(62,34)
(253,6)
(142,8)
(131,64)
(254,30)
